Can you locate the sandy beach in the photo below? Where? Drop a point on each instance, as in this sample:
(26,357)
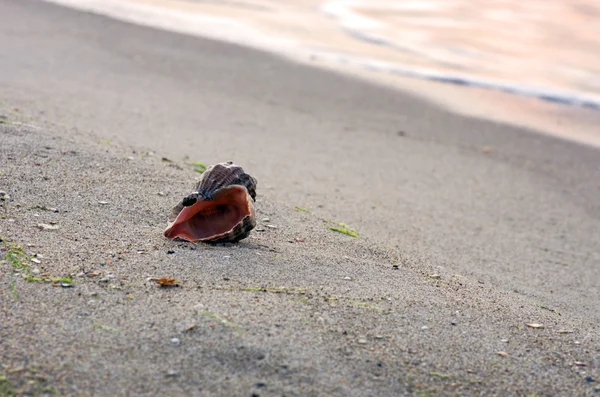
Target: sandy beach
(475,270)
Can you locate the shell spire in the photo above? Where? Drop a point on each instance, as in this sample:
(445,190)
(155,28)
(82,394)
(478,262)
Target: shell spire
(221,208)
(221,175)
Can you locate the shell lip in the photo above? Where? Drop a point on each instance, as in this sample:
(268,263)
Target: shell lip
(208,220)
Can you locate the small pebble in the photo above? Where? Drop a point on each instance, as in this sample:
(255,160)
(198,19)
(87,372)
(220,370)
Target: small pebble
(379,337)
(45,226)
(170,252)
(36,260)
(110,276)
(172,373)
(362,341)
(161,193)
(535,325)
(11,220)
(503,354)
(424,328)
(130,158)
(259,229)
(504,340)
(175,341)
(36,271)
(435,276)
(103,280)
(580,364)
(103,202)
(347,278)
(271,226)
(66,285)
(266,220)
(226,256)
(589,379)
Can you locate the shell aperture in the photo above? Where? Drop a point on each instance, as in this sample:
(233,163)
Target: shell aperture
(221,209)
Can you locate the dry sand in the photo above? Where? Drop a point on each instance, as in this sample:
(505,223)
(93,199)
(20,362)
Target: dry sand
(331,315)
(490,227)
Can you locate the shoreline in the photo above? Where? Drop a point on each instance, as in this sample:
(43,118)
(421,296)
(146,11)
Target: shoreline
(563,120)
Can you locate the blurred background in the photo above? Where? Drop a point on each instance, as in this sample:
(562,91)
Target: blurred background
(542,48)
(528,63)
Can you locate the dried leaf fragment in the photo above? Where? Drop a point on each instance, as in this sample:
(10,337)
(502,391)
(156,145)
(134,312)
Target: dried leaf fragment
(167,282)
(190,327)
(503,354)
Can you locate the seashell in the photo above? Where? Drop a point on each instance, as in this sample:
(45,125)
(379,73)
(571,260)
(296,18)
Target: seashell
(221,209)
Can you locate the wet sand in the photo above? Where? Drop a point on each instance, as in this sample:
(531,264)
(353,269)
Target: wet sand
(490,227)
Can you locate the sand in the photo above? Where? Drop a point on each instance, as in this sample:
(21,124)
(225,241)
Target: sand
(468,230)
(330,315)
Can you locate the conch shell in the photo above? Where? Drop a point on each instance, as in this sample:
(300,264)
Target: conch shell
(221,209)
